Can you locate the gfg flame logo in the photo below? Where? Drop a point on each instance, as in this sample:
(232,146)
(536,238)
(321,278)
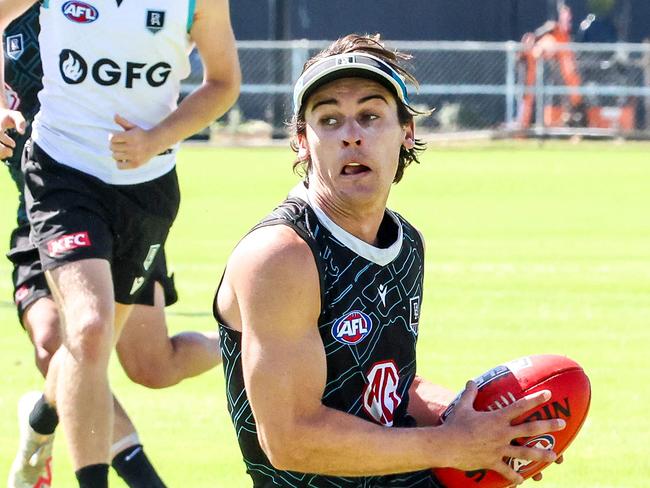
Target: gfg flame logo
(107,72)
(72,66)
(79,12)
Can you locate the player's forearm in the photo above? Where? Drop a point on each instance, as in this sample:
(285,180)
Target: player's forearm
(198,110)
(427,401)
(335,443)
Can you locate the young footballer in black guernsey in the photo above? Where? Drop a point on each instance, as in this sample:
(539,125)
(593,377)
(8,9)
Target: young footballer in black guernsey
(163,362)
(100,186)
(319,305)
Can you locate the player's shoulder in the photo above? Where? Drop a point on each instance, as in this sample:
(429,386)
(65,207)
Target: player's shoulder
(407,227)
(210,6)
(273,249)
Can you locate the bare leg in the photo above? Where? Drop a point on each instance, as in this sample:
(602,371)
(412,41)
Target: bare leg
(83,291)
(41,321)
(153,359)
(123,426)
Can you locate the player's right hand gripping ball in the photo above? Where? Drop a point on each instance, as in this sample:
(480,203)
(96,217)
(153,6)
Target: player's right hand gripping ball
(501,386)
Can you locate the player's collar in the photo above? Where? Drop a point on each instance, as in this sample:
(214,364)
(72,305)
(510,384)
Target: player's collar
(377,255)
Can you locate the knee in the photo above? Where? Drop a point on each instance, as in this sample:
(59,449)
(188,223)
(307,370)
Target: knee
(44,349)
(41,320)
(89,338)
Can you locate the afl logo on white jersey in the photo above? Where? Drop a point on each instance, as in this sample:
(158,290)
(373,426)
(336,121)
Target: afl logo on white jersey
(79,12)
(353,328)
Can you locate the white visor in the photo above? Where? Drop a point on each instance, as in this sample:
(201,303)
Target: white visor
(348,65)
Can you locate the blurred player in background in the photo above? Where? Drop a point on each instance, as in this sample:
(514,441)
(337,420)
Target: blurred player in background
(549,43)
(82,281)
(319,305)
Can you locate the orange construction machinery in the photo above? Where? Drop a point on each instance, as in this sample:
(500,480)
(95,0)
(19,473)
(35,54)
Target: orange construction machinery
(550,43)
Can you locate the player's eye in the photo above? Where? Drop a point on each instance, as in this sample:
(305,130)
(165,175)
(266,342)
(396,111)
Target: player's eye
(368,117)
(328,121)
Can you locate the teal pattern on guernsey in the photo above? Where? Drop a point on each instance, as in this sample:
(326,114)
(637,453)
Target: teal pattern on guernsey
(23,74)
(369,327)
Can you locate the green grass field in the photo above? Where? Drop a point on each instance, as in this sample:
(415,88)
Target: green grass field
(529,250)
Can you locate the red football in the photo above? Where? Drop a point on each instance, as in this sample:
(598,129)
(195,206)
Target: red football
(501,386)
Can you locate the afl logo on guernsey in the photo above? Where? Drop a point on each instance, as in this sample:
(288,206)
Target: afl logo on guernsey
(79,12)
(353,328)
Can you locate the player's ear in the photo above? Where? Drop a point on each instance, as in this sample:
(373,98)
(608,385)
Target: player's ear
(303,148)
(409,135)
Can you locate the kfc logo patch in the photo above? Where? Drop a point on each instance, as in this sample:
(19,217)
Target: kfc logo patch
(380,397)
(66,243)
(353,328)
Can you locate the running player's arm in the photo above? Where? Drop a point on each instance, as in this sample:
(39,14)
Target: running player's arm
(212,33)
(273,280)
(9,119)
(215,42)
(11,9)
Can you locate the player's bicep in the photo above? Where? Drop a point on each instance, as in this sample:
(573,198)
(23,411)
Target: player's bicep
(214,38)
(283,358)
(11,9)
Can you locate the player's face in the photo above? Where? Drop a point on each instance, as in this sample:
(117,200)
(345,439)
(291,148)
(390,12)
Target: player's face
(353,137)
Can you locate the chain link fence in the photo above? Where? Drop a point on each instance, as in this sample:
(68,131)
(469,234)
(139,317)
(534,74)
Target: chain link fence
(499,89)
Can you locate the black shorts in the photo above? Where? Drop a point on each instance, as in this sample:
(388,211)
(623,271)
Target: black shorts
(30,283)
(75,216)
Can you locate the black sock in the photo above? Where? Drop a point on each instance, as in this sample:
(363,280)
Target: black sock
(43,417)
(134,467)
(93,476)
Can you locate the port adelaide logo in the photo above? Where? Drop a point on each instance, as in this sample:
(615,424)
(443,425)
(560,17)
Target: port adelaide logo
(155,20)
(15,46)
(352,328)
(79,12)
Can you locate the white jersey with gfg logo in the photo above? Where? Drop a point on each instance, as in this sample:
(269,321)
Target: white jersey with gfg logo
(107,57)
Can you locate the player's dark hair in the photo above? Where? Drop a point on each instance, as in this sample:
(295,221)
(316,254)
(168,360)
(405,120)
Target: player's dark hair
(370,44)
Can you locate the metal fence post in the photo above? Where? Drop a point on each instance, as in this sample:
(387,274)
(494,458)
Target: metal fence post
(510,82)
(539,96)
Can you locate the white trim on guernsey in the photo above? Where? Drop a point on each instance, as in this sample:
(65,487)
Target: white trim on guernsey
(380,256)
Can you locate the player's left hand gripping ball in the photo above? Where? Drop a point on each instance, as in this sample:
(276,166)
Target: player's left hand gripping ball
(501,386)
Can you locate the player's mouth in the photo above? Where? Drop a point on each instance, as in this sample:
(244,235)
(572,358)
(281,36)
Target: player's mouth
(354,169)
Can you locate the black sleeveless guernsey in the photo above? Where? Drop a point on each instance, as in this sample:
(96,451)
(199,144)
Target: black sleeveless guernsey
(369,326)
